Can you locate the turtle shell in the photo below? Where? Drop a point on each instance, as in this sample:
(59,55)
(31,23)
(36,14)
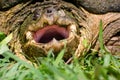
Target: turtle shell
(99,6)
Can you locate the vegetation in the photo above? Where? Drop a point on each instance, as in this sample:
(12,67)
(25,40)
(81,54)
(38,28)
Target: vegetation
(88,67)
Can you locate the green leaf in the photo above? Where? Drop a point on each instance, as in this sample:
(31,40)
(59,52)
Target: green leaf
(102,49)
(6,40)
(2,36)
(107,59)
(3,44)
(85,42)
(59,57)
(3,49)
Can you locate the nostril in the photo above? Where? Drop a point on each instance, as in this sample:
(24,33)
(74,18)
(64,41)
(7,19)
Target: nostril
(49,11)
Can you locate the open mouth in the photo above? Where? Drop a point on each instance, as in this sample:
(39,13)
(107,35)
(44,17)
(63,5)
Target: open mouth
(50,37)
(48,33)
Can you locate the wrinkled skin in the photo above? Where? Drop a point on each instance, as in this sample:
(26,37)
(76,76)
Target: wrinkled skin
(53,25)
(6,4)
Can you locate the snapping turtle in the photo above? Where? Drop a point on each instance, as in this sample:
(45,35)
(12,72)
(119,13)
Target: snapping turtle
(39,26)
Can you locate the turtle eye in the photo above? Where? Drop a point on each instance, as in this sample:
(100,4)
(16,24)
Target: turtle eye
(36,14)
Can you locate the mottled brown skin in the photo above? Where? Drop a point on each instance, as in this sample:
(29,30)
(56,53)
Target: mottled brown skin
(24,20)
(6,4)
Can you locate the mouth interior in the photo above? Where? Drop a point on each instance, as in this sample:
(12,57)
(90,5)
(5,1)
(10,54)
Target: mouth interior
(49,33)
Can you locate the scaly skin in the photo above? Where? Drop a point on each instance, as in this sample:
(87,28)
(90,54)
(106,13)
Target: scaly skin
(29,22)
(6,4)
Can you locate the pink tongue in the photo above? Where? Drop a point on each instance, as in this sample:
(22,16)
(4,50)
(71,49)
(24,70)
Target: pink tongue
(47,34)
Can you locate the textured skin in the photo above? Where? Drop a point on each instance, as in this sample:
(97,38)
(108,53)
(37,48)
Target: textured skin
(6,4)
(26,18)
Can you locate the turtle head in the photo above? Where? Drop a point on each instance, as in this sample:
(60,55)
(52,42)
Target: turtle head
(52,25)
